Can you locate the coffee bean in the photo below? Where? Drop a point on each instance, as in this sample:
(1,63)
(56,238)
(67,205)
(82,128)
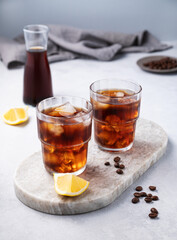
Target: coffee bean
(154,210)
(116,165)
(137,194)
(116,159)
(119,171)
(143,194)
(107,164)
(121,166)
(135,200)
(163,63)
(155,198)
(153,215)
(149,195)
(152,188)
(139,188)
(148,199)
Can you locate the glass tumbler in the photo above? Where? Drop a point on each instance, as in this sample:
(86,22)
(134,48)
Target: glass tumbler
(64,129)
(37,77)
(116,106)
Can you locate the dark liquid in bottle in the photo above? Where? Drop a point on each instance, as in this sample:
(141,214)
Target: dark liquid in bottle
(37,77)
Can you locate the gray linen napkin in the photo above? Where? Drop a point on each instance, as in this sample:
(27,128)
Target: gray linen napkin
(68,43)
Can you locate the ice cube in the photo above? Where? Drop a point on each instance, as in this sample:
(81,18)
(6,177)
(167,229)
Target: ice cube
(87,122)
(103,99)
(101,102)
(126,100)
(81,118)
(49,148)
(55,129)
(68,157)
(108,138)
(51,159)
(66,109)
(119,94)
(113,119)
(129,92)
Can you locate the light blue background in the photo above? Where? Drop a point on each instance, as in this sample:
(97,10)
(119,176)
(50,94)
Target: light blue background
(157,16)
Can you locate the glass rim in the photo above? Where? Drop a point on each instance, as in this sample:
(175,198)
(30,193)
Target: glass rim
(116,79)
(43,28)
(58,118)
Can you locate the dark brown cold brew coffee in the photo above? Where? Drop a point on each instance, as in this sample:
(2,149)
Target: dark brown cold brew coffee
(115,113)
(37,77)
(65,144)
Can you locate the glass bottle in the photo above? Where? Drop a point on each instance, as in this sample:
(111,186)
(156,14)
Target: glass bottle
(37,77)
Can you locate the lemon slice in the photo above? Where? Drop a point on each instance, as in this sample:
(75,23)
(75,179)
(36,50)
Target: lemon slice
(69,184)
(15,116)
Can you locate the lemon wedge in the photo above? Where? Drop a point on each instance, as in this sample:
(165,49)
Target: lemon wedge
(15,116)
(69,184)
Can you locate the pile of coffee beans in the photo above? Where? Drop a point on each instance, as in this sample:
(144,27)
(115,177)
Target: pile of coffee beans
(117,164)
(162,64)
(148,198)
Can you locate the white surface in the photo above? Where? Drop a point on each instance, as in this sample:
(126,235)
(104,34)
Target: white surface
(121,219)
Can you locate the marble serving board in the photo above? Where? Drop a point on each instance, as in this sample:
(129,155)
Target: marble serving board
(35,187)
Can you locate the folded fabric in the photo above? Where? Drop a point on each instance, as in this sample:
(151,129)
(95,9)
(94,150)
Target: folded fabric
(68,43)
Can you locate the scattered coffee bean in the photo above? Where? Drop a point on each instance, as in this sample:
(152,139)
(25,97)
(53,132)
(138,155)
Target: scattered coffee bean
(139,188)
(116,165)
(137,194)
(152,188)
(155,198)
(119,171)
(153,215)
(116,159)
(135,200)
(121,166)
(154,210)
(148,199)
(107,164)
(143,194)
(149,195)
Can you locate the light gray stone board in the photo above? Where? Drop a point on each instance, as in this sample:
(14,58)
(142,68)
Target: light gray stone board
(35,187)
